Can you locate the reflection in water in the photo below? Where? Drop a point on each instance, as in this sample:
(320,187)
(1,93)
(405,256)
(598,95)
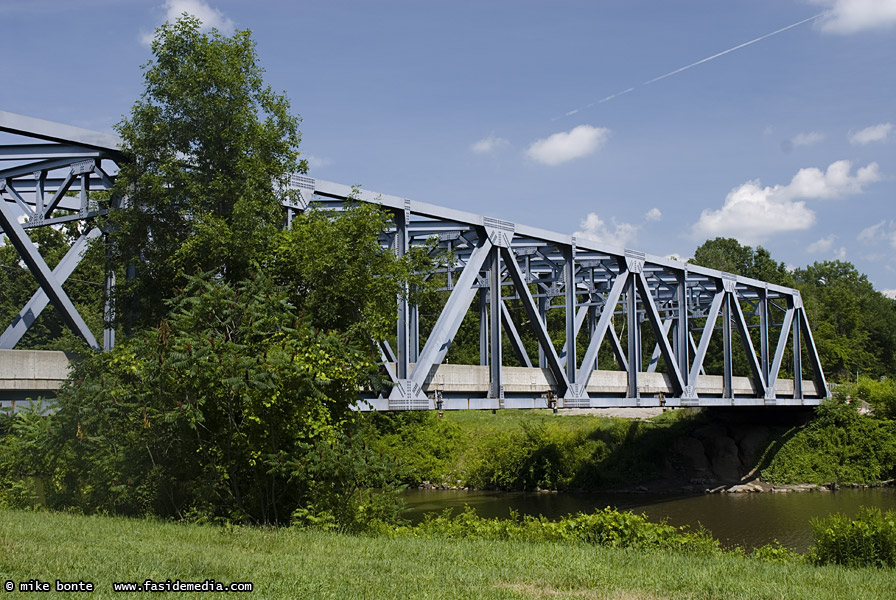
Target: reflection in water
(747,520)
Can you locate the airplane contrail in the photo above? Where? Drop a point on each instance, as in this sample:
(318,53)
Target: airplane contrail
(724,52)
(694,64)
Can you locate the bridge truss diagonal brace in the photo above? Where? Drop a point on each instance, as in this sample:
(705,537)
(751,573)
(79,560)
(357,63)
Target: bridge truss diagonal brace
(22,322)
(447,324)
(621,282)
(696,370)
(779,352)
(515,340)
(653,316)
(48,282)
(812,350)
(538,326)
(750,350)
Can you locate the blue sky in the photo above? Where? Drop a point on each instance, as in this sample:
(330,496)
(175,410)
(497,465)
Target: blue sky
(548,113)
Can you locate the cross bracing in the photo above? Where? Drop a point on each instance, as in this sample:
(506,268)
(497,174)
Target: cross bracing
(587,324)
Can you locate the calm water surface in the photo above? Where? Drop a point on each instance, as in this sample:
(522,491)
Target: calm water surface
(747,520)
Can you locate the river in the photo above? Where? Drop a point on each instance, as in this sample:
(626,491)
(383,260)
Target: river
(748,520)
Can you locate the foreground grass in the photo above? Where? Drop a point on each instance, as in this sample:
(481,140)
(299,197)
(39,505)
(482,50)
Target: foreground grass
(300,564)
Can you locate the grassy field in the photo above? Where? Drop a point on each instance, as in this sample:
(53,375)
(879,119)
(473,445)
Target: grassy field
(299,564)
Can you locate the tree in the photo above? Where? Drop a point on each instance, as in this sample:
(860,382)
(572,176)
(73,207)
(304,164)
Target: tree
(853,324)
(210,148)
(231,398)
(727,254)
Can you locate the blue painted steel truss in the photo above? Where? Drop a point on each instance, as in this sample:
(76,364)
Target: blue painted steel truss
(606,295)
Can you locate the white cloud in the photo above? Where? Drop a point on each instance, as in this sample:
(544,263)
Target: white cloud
(807,139)
(875,133)
(316,162)
(889,293)
(489,144)
(210,17)
(654,214)
(882,231)
(834,183)
(852,16)
(752,213)
(821,246)
(568,145)
(595,228)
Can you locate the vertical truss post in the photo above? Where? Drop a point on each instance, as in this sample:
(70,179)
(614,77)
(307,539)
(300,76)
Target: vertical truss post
(483,327)
(109,313)
(592,329)
(763,342)
(569,277)
(543,302)
(402,217)
(727,377)
(414,333)
(682,335)
(496,388)
(634,339)
(797,350)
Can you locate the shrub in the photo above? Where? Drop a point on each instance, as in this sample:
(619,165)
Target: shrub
(607,527)
(775,552)
(839,445)
(869,540)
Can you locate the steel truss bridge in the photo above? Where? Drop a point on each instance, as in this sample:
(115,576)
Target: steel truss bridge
(613,300)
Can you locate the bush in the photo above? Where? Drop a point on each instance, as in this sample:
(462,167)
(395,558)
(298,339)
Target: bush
(775,552)
(607,527)
(869,540)
(839,445)
(426,445)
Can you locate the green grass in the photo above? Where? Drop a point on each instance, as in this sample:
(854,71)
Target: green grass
(301,564)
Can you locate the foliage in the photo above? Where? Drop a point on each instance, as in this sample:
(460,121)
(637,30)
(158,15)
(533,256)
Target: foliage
(210,149)
(879,393)
(526,450)
(607,527)
(728,255)
(428,446)
(775,552)
(537,455)
(345,484)
(336,270)
(869,540)
(21,458)
(199,417)
(229,399)
(839,445)
(854,325)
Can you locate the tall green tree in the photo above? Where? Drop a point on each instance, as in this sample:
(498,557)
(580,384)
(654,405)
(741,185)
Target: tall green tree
(854,325)
(232,395)
(729,255)
(210,148)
